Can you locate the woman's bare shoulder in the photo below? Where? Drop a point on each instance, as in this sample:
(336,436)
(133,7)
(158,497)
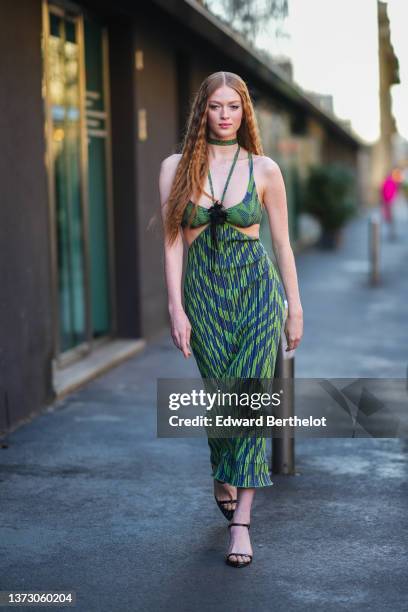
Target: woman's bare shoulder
(266,165)
(170,163)
(266,172)
(168,169)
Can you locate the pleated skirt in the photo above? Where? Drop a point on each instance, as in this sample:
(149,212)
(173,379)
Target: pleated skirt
(234,300)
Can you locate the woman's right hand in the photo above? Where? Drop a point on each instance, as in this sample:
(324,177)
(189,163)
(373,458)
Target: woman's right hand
(181,331)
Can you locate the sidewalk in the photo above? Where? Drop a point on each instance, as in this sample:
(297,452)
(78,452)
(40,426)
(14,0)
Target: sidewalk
(93,501)
(350,328)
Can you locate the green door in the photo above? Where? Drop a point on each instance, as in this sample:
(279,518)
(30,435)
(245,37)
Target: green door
(79,169)
(65,147)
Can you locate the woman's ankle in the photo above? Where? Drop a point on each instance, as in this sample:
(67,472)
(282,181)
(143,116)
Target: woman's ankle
(242,514)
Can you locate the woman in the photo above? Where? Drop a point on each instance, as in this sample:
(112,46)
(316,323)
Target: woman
(213,195)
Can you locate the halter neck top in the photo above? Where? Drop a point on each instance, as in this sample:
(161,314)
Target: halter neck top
(245,213)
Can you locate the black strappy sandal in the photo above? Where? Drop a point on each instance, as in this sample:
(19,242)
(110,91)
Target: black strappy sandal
(227,513)
(238,563)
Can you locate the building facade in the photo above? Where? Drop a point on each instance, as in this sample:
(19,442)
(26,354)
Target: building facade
(95,95)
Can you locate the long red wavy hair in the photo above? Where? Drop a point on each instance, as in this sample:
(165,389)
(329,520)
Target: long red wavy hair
(193,166)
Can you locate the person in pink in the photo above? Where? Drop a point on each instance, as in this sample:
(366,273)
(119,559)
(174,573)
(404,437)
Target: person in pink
(389,189)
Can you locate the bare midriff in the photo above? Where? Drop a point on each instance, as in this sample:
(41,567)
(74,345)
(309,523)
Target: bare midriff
(191,233)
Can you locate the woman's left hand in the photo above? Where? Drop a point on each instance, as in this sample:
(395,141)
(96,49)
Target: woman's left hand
(294,330)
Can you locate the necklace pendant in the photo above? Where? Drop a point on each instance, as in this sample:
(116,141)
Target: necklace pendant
(217,213)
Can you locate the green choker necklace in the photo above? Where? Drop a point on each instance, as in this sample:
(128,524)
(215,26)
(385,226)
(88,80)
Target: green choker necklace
(217,141)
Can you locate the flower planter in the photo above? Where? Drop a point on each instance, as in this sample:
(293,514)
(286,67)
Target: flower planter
(330,197)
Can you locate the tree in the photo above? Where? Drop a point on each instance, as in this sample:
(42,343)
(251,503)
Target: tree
(250,17)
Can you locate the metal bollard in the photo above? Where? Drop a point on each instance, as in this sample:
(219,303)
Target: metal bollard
(374,229)
(283,448)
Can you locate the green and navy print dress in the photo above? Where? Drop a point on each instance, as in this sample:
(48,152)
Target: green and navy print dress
(234,300)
